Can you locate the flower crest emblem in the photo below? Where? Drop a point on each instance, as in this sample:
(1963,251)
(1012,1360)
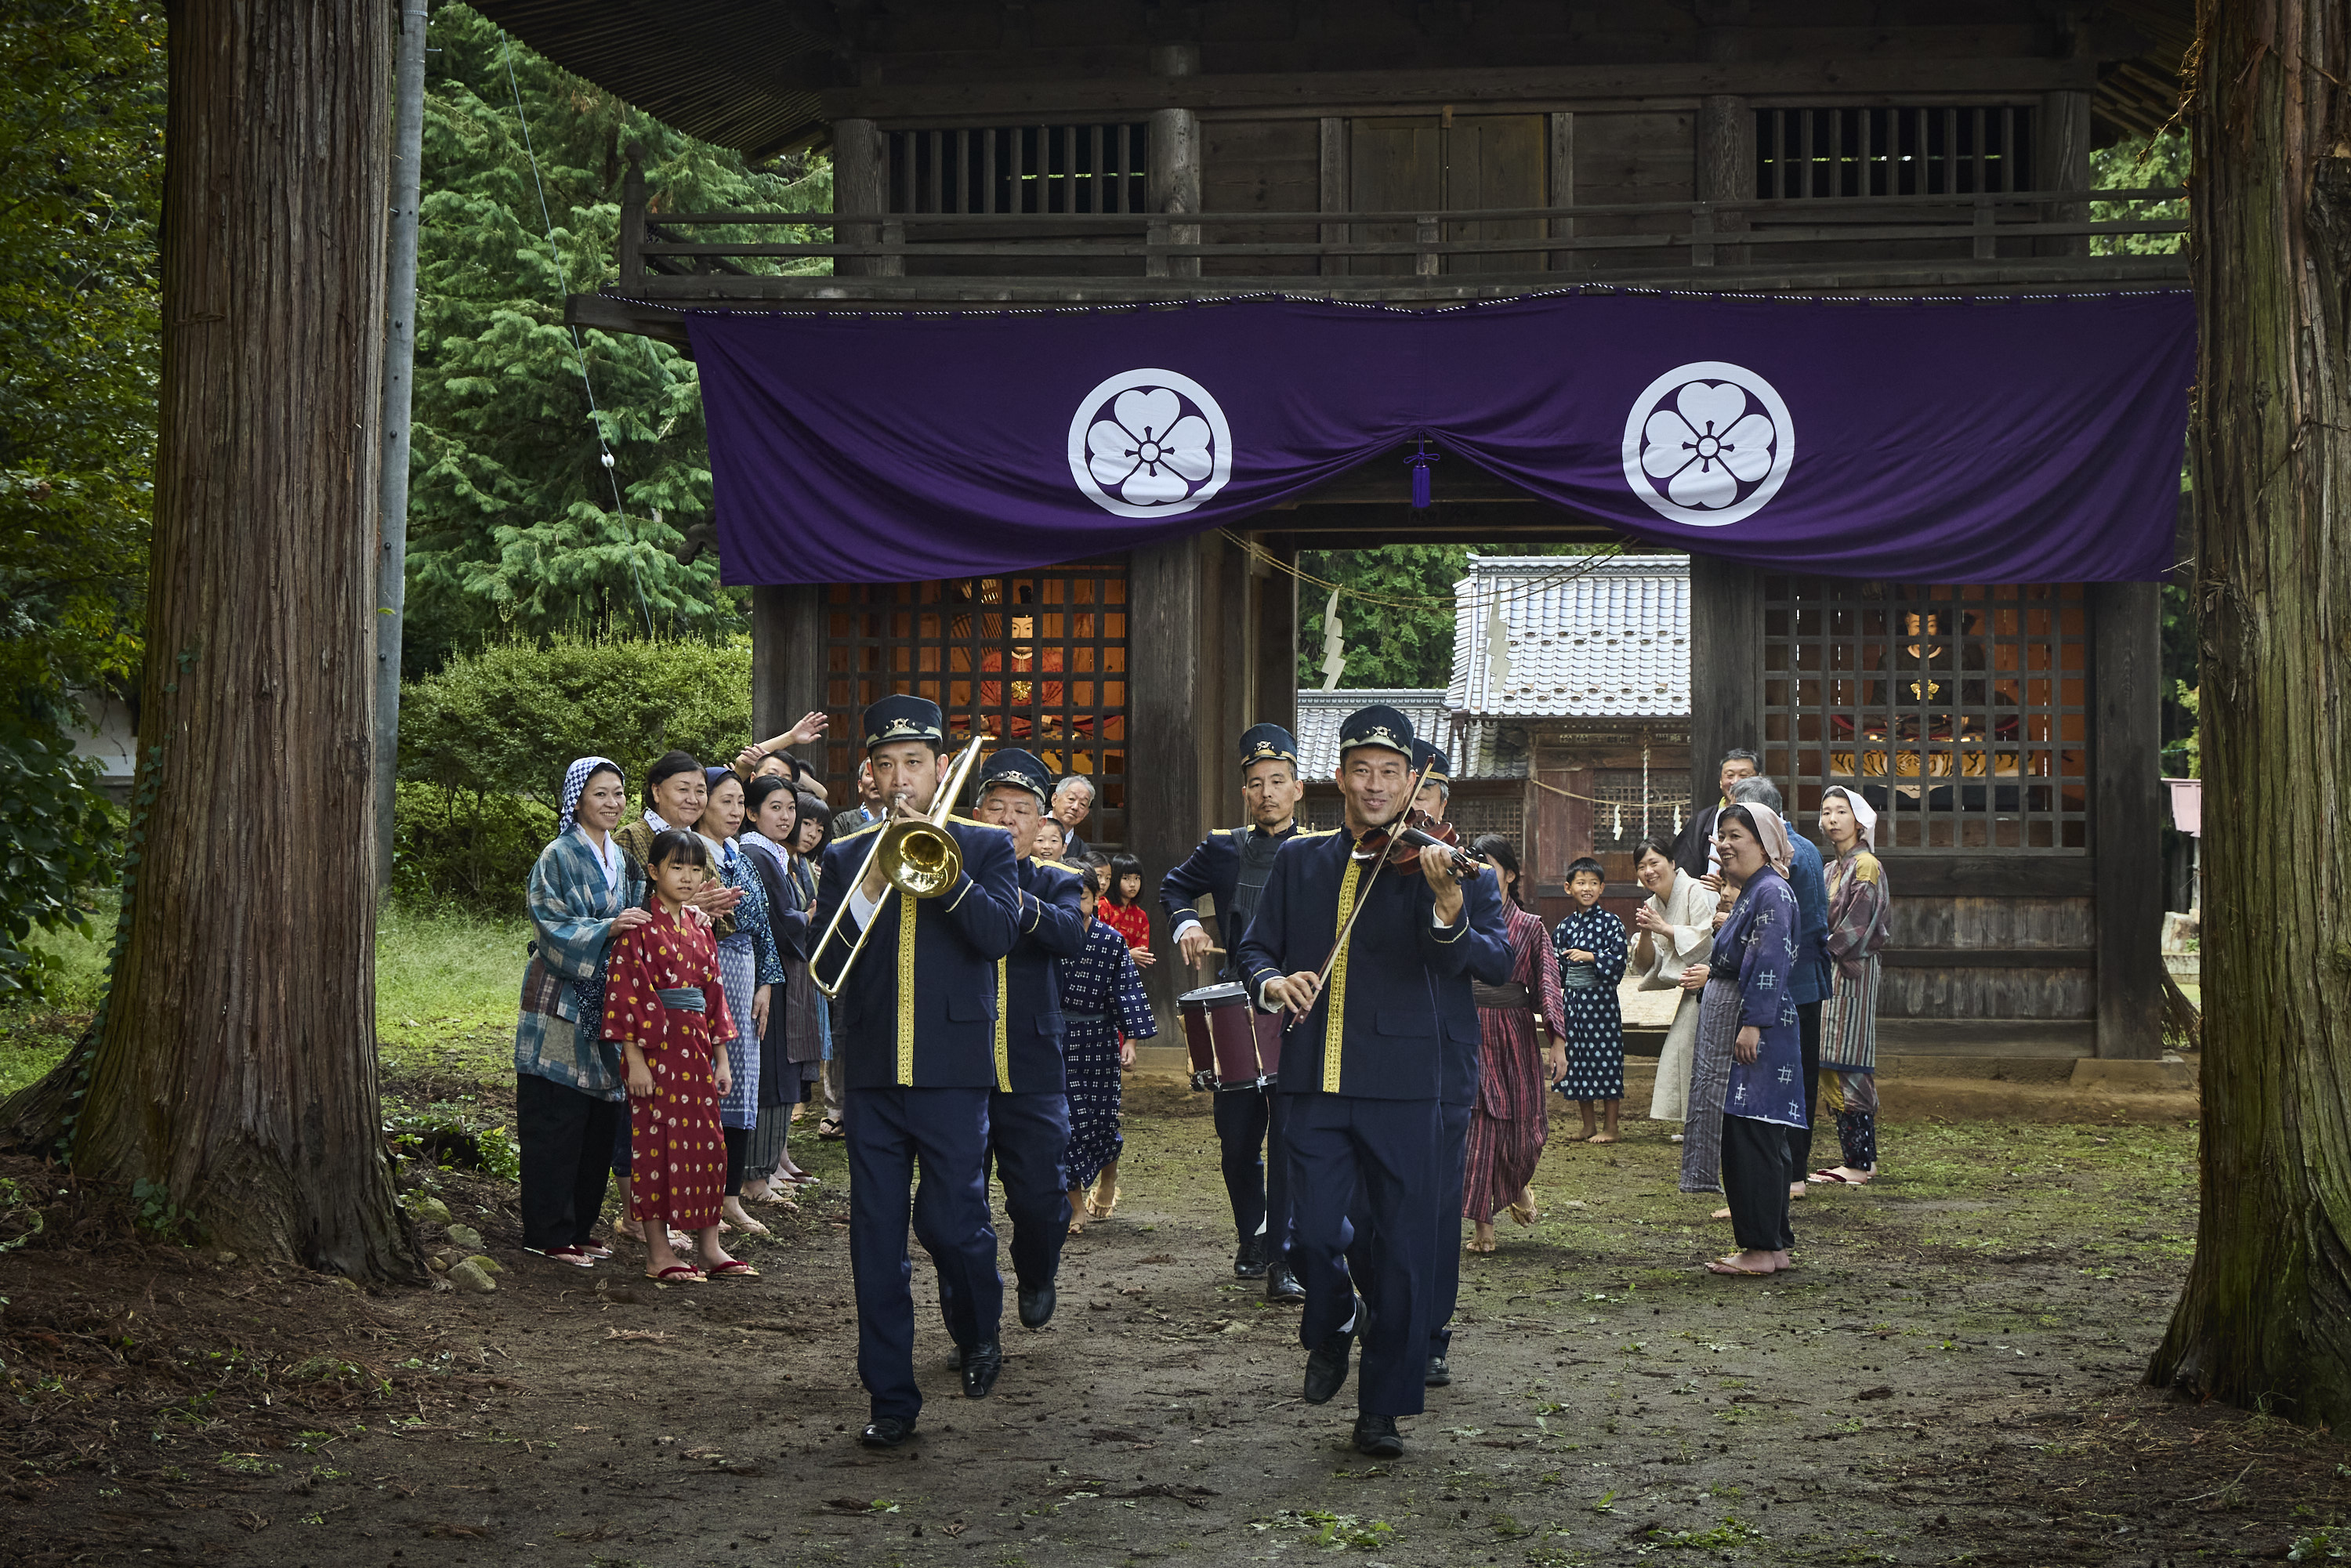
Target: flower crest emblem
(1150,444)
(1708,444)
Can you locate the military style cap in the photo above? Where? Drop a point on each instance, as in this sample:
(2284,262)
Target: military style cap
(1375,726)
(1267,743)
(1018,769)
(1422,753)
(903,717)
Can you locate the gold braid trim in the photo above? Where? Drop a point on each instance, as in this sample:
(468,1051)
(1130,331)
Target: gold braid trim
(1336,994)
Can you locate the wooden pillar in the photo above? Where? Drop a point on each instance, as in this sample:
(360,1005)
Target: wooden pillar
(861,184)
(1726,669)
(1174,176)
(1562,192)
(2126,814)
(1724,171)
(1165,807)
(1333,186)
(787,660)
(1274,693)
(2062,163)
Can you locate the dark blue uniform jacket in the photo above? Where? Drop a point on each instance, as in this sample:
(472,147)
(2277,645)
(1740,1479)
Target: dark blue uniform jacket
(1029,1031)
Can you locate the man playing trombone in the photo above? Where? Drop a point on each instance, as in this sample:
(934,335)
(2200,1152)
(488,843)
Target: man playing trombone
(938,897)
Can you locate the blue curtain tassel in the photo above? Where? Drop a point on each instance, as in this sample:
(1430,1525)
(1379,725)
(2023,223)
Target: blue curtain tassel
(1420,460)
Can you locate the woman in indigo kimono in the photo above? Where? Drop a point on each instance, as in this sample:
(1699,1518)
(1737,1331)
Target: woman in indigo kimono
(771,823)
(1857,921)
(583,892)
(1747,1022)
(1102,998)
(748,963)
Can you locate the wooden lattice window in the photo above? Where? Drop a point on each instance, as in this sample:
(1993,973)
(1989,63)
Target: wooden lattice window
(1474,816)
(1628,807)
(1962,713)
(1036,660)
(1911,150)
(1021,169)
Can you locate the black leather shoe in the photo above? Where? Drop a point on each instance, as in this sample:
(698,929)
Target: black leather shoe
(1282,1286)
(1438,1375)
(886,1432)
(954,1358)
(1037,1307)
(981,1366)
(1248,1263)
(1378,1435)
(1326,1364)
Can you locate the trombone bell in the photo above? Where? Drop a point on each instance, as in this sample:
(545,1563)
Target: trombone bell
(919,859)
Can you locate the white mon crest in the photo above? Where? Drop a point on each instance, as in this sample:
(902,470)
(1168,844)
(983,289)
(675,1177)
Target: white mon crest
(1150,444)
(1708,444)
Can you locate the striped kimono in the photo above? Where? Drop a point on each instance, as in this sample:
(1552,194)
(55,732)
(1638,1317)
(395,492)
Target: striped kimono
(1858,908)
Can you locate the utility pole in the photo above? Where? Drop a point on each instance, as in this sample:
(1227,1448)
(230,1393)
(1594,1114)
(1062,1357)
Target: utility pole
(399,379)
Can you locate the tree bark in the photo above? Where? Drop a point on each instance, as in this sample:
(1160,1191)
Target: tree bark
(2266,1315)
(234,1064)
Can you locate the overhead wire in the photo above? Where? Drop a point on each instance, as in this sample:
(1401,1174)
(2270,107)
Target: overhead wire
(578,344)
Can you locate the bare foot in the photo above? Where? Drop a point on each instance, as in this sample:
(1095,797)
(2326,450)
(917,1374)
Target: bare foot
(1483,1240)
(1781,1260)
(1795,1190)
(1720,1214)
(1602,1138)
(1751,1262)
(737,1219)
(1842,1175)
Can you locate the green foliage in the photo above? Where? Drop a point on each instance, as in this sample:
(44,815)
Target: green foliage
(484,744)
(471,849)
(154,1211)
(453,1140)
(1404,645)
(57,839)
(511,718)
(2188,754)
(512,527)
(2133,165)
(81,130)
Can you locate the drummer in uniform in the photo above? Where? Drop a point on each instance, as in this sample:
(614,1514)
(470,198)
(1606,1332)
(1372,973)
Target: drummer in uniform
(1458,1098)
(1231,865)
(1028,1109)
(1361,1070)
(916,1039)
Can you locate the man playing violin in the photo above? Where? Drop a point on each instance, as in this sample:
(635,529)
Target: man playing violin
(1352,948)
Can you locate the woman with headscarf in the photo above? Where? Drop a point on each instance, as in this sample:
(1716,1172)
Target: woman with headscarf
(1676,930)
(750,970)
(1749,1080)
(1857,921)
(583,891)
(771,823)
(1521,1048)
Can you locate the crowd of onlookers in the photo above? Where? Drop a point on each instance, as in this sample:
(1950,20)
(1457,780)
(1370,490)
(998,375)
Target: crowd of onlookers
(671,1036)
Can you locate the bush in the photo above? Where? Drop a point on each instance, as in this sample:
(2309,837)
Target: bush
(470,848)
(56,840)
(509,720)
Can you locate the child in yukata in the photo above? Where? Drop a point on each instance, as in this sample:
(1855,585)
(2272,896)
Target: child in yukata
(1590,948)
(666,1007)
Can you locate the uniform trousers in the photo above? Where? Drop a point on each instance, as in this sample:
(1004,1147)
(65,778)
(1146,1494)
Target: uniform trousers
(567,1145)
(887,1131)
(1799,1139)
(1027,1136)
(1258,1189)
(1389,1148)
(1452,1174)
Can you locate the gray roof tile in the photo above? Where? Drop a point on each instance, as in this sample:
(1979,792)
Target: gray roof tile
(1611,641)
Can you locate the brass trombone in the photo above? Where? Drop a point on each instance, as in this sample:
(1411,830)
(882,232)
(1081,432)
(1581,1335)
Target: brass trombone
(918,857)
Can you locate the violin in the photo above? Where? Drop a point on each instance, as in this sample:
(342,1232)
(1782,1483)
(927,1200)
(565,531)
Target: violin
(1402,840)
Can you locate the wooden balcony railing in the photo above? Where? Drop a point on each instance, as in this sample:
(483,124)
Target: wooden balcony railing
(681,257)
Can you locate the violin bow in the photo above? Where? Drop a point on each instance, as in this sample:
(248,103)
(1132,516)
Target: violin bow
(1322,975)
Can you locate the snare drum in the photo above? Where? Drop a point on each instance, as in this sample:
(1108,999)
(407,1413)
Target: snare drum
(1233,1045)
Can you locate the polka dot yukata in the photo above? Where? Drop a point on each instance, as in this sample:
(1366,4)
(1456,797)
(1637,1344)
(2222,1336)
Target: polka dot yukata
(1596,1028)
(677,1156)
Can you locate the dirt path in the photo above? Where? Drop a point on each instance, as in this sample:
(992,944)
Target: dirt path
(1949,1377)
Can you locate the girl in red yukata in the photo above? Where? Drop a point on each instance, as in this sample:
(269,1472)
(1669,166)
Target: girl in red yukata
(667,1007)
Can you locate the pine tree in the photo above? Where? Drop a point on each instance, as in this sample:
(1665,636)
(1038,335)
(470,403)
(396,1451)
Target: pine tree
(513,528)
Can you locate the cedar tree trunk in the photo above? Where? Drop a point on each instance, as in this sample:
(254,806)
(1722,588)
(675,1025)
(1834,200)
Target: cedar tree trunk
(235,1064)
(2266,1316)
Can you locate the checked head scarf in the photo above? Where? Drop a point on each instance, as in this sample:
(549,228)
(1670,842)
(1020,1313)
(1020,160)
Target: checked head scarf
(575,784)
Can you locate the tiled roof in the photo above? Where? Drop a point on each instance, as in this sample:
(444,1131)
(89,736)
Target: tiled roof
(1319,714)
(1611,641)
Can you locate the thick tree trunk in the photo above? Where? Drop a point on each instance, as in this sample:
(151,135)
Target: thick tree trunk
(2267,1312)
(235,1065)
